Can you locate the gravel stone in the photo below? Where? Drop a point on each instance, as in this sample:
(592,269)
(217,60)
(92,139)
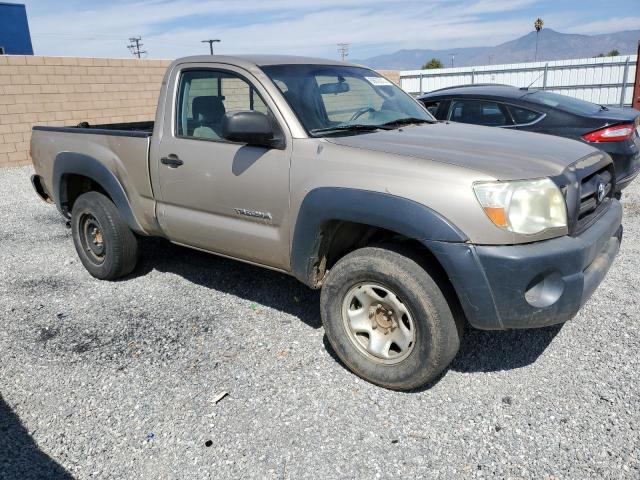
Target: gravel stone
(118,379)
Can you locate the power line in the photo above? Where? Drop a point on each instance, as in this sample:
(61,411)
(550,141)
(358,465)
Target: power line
(343,50)
(135,44)
(211,42)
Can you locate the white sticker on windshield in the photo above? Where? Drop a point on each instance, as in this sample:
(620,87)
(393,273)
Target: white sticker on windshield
(378,81)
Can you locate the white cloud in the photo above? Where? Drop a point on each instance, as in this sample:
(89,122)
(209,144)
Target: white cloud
(309,27)
(318,33)
(494,6)
(604,26)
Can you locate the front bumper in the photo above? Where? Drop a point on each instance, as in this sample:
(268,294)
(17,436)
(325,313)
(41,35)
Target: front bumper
(531,285)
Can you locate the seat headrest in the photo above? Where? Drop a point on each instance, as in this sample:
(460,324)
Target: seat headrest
(208,108)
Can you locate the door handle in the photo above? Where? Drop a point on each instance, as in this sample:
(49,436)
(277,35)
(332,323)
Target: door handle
(171,160)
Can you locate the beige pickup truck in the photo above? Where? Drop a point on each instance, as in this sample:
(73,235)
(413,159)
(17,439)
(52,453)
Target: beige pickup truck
(330,173)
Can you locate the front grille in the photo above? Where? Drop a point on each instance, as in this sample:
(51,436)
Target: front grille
(596,190)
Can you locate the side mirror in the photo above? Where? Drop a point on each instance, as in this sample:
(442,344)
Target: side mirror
(250,127)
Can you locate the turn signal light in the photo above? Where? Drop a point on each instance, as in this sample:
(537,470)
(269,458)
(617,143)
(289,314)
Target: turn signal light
(616,133)
(497,215)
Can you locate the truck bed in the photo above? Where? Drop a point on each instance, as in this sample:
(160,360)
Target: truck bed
(131,129)
(120,148)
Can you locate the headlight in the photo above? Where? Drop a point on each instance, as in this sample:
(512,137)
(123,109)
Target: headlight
(523,206)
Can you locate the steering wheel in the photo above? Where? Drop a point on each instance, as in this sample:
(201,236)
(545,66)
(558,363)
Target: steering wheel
(358,113)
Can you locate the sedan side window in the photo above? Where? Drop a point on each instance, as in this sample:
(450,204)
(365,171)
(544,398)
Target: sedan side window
(479,112)
(522,116)
(205,96)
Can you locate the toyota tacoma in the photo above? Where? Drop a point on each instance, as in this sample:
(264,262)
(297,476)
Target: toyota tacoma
(331,173)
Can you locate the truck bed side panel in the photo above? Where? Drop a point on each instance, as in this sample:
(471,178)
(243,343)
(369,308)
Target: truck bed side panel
(126,156)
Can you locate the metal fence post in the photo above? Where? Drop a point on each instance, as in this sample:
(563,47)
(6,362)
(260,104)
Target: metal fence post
(635,102)
(544,77)
(473,76)
(420,88)
(625,75)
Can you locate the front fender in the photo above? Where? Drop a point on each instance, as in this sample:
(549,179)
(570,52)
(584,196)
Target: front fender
(73,163)
(377,209)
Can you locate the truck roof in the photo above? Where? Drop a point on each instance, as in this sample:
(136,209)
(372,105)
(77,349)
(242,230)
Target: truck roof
(258,60)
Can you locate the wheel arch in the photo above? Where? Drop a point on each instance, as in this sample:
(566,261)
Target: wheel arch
(76,173)
(333,221)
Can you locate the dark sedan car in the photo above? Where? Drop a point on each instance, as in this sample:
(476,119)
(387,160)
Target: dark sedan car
(613,130)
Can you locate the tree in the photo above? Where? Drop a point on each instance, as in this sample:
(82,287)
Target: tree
(433,63)
(612,53)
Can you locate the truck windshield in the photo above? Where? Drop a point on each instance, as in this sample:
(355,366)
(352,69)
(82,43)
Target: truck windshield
(335,99)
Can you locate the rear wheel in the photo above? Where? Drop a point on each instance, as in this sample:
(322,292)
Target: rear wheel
(387,319)
(106,246)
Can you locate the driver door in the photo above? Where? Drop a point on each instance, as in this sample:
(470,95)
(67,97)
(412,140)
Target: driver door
(216,195)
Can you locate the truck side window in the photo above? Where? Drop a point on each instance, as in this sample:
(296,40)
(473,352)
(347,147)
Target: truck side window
(205,96)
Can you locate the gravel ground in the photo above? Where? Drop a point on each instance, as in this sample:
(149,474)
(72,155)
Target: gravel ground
(119,380)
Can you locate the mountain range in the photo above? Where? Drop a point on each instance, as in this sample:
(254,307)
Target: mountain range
(552,45)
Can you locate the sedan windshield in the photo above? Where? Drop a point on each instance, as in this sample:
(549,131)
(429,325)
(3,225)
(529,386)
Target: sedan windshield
(330,100)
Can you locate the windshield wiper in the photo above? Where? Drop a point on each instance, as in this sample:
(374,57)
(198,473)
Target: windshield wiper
(405,121)
(358,127)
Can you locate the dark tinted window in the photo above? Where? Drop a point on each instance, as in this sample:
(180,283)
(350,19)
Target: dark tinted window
(479,112)
(522,116)
(562,102)
(432,107)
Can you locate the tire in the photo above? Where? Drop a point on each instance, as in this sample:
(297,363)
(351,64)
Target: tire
(406,293)
(107,248)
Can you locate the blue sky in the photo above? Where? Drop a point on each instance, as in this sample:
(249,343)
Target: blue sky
(307,27)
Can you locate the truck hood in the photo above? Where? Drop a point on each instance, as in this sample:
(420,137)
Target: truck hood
(500,153)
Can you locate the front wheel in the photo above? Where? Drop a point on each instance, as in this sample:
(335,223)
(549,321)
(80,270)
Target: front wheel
(387,319)
(107,248)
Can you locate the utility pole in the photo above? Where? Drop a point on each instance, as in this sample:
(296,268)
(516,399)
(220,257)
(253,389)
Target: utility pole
(211,42)
(453,57)
(343,50)
(538,24)
(135,44)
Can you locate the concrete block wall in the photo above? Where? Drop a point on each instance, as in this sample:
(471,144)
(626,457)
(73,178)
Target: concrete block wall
(60,91)
(392,75)
(63,91)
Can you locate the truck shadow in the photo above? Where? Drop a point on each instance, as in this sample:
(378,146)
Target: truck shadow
(491,351)
(20,457)
(262,286)
(480,351)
